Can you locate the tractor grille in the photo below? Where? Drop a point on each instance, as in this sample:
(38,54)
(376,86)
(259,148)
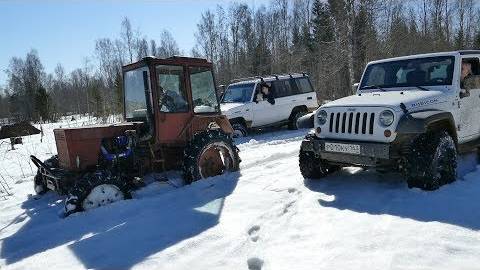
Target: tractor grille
(352,122)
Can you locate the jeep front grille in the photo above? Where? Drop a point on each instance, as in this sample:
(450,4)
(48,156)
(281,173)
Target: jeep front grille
(352,122)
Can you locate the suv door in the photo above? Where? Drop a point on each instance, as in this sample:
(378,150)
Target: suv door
(264,113)
(285,98)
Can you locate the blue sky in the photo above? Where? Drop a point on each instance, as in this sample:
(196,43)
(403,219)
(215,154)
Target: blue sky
(65,31)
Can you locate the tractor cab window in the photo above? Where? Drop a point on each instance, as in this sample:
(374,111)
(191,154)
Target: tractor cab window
(135,100)
(203,90)
(171,89)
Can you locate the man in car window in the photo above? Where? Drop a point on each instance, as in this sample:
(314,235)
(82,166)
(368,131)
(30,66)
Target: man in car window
(466,73)
(469,80)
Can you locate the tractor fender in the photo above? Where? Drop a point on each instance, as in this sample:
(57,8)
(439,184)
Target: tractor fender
(421,121)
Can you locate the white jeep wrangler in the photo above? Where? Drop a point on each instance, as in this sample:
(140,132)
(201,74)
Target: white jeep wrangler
(413,114)
(275,100)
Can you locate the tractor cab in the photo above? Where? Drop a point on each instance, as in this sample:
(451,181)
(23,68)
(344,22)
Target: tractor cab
(175,97)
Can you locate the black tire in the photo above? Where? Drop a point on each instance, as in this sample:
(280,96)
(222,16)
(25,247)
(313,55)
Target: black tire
(292,124)
(431,161)
(239,130)
(313,167)
(201,142)
(39,185)
(84,185)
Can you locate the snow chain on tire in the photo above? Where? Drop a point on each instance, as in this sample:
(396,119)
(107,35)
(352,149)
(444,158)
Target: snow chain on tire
(312,166)
(194,149)
(84,185)
(431,161)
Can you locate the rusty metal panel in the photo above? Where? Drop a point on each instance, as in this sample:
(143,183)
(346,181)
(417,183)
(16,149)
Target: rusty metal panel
(79,148)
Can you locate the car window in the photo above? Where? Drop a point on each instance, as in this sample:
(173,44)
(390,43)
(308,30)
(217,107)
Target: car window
(204,95)
(303,85)
(172,96)
(282,88)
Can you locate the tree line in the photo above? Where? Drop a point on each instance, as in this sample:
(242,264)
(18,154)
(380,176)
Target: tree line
(95,88)
(330,40)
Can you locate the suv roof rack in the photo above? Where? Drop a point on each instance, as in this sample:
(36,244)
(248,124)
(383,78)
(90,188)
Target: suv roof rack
(263,77)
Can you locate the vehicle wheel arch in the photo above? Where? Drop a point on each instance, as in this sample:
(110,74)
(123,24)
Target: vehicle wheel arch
(300,108)
(421,122)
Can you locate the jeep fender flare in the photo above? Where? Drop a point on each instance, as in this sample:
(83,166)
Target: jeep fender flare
(421,121)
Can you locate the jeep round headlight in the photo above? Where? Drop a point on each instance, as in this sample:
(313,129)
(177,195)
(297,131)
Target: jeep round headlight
(386,118)
(322,117)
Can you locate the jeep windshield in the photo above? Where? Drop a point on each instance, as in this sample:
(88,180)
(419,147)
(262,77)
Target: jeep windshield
(135,101)
(414,73)
(238,93)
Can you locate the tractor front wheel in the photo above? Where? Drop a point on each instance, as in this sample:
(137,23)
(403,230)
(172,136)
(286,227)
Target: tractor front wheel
(208,154)
(94,190)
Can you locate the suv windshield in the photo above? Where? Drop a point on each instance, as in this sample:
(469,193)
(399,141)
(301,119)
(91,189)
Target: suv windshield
(238,93)
(427,71)
(135,101)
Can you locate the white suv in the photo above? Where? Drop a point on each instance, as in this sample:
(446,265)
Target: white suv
(413,114)
(289,97)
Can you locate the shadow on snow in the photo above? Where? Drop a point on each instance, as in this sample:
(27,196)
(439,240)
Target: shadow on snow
(377,194)
(125,233)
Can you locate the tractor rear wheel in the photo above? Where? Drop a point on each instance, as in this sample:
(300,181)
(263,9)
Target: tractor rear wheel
(96,189)
(208,154)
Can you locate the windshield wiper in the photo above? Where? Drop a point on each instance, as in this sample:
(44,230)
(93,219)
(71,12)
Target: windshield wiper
(374,86)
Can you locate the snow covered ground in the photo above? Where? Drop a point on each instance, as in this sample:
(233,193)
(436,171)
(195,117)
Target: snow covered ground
(264,217)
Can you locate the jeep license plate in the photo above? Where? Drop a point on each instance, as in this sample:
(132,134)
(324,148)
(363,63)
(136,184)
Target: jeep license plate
(343,148)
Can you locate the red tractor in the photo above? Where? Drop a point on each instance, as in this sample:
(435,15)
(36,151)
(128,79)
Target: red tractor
(172,122)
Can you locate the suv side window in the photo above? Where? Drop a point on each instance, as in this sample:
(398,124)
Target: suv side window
(303,85)
(283,88)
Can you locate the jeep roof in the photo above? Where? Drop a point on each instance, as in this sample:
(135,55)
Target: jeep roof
(451,53)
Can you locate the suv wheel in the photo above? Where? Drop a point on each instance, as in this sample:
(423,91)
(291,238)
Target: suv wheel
(239,130)
(314,167)
(292,124)
(432,161)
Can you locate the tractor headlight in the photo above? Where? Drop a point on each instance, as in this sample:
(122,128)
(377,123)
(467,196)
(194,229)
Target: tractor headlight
(386,118)
(322,117)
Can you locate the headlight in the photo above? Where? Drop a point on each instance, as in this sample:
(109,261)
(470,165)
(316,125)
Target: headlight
(386,118)
(322,117)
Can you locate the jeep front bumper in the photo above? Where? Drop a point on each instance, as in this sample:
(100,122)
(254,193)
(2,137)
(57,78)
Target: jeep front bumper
(365,154)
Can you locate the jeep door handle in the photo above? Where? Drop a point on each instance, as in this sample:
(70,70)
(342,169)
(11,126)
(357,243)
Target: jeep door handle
(309,98)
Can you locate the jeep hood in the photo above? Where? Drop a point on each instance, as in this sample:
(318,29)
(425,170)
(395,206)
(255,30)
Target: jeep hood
(391,99)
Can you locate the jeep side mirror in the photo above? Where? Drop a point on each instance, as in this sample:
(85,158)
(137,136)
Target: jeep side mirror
(464,93)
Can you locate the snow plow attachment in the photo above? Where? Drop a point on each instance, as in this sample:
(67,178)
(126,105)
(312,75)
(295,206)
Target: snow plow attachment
(49,176)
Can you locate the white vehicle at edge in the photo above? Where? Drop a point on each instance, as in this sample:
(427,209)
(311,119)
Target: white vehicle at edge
(292,97)
(409,114)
